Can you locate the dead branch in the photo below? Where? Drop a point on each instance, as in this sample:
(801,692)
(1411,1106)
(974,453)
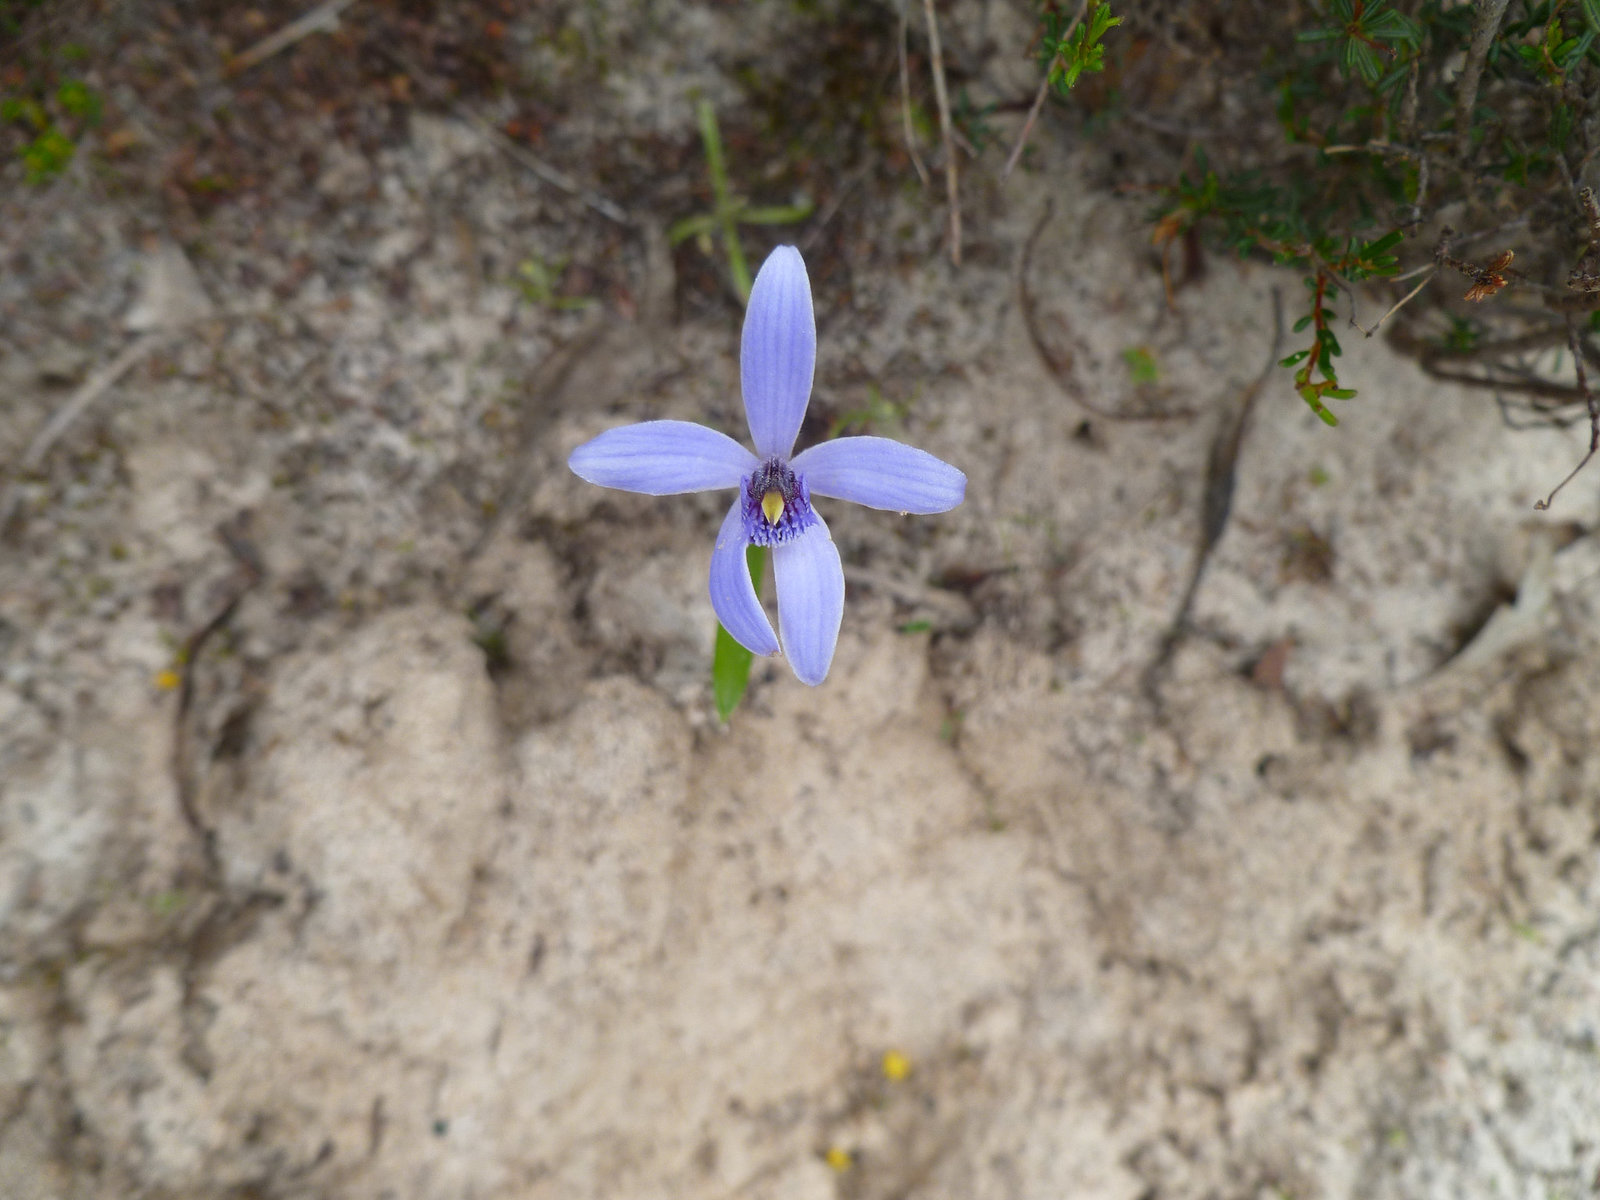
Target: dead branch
(1485,24)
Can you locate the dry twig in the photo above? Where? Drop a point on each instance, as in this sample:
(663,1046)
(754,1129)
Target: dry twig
(1396,307)
(951,171)
(1485,24)
(82,400)
(323,18)
(905,98)
(1038,99)
(1593,404)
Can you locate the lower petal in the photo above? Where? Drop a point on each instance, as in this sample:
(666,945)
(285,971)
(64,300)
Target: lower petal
(810,601)
(733,596)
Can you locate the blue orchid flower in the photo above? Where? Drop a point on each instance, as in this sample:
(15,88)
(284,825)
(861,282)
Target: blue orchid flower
(777,356)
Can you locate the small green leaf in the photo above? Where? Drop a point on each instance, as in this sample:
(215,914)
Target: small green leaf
(1297,356)
(787,214)
(1142,368)
(1309,395)
(682,231)
(916,627)
(76,99)
(1591,14)
(730,662)
(1387,242)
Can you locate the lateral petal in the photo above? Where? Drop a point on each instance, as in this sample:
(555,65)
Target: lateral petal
(778,352)
(881,473)
(733,596)
(660,458)
(810,601)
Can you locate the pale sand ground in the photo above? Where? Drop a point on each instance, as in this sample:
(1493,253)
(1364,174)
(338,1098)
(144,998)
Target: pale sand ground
(553,933)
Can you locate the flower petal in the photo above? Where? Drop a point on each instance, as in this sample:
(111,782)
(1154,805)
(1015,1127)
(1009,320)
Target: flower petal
(778,352)
(881,473)
(733,596)
(659,458)
(810,600)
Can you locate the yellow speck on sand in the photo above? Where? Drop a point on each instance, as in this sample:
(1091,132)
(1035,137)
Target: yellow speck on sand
(838,1158)
(167,680)
(896,1066)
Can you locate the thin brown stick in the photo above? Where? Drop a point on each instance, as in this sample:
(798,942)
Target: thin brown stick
(64,418)
(1591,401)
(905,97)
(1398,305)
(1373,147)
(952,178)
(1485,24)
(1038,99)
(323,18)
(93,388)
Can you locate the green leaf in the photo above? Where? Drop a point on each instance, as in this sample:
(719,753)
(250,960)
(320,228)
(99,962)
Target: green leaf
(1309,395)
(682,231)
(1297,357)
(1141,364)
(1387,242)
(730,662)
(1591,14)
(786,214)
(76,99)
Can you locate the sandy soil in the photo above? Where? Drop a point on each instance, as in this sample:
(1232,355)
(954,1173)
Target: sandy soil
(365,829)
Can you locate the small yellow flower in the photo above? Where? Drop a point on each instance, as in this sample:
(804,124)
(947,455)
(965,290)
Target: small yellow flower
(896,1066)
(838,1158)
(168,680)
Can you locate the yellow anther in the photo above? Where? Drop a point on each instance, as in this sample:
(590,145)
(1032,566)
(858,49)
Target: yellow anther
(839,1159)
(772,506)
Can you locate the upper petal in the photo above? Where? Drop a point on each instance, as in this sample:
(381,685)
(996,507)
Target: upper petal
(810,600)
(778,352)
(881,473)
(659,458)
(733,596)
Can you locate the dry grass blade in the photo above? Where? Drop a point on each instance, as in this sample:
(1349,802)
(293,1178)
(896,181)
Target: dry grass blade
(905,98)
(951,170)
(323,18)
(82,400)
